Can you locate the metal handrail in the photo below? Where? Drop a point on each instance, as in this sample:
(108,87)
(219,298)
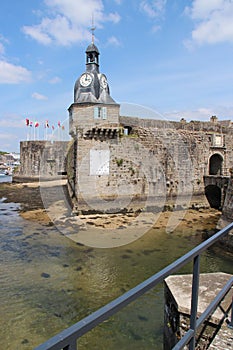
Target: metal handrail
(67,339)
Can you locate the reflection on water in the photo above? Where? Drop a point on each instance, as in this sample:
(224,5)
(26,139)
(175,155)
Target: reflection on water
(48,282)
(5,178)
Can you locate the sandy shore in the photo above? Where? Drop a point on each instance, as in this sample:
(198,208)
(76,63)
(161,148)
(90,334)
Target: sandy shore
(47,204)
(33,208)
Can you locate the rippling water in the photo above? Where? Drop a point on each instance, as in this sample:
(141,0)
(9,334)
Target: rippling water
(49,282)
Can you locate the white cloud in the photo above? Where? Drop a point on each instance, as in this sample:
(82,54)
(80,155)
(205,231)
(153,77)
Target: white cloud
(153,8)
(202,113)
(156,28)
(8,137)
(38,33)
(55,80)
(11,121)
(2,49)
(213,19)
(198,114)
(68,21)
(58,30)
(113,41)
(12,74)
(203,9)
(38,96)
(113,17)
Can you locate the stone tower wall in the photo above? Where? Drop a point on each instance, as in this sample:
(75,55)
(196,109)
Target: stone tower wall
(40,159)
(82,117)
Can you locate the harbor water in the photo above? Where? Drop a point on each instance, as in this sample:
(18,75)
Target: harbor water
(48,282)
(5,178)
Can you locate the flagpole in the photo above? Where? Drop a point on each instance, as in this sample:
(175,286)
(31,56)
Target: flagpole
(31,126)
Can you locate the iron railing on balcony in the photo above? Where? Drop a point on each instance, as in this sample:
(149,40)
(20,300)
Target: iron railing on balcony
(67,339)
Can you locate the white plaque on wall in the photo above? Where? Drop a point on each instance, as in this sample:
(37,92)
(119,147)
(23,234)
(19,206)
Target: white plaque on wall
(99,162)
(218,140)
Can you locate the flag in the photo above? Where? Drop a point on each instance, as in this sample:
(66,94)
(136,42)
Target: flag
(31,123)
(27,122)
(47,124)
(36,124)
(53,127)
(63,128)
(59,124)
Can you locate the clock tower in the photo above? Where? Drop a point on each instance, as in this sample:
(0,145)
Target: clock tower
(92,86)
(91,92)
(94,127)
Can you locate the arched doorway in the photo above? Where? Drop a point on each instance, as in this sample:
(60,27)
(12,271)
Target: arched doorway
(215,164)
(214,196)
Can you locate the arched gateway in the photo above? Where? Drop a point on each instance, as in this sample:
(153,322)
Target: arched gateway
(214,196)
(215,164)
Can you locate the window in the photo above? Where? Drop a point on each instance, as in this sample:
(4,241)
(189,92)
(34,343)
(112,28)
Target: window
(100,112)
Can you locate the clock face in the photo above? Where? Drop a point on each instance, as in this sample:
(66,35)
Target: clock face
(86,79)
(103,81)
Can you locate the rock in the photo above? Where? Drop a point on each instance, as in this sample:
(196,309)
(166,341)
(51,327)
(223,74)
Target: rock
(45,275)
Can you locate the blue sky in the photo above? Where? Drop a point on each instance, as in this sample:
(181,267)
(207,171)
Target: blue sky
(174,57)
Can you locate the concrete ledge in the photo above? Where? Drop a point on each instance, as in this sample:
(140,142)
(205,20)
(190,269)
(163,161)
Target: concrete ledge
(177,293)
(210,285)
(25,179)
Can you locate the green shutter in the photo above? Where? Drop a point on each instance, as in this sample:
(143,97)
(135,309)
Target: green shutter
(96,112)
(104,112)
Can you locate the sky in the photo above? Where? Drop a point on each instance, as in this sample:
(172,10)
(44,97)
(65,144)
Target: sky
(167,59)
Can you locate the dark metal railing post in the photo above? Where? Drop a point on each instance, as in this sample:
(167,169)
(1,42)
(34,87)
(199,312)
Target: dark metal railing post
(194,301)
(72,345)
(230,325)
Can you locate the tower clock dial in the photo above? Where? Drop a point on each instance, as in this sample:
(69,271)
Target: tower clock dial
(103,81)
(86,79)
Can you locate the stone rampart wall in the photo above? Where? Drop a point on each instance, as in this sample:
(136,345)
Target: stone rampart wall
(227,214)
(224,126)
(41,159)
(228,204)
(149,161)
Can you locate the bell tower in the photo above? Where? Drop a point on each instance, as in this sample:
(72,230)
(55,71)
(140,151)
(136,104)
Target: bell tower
(92,58)
(94,127)
(92,86)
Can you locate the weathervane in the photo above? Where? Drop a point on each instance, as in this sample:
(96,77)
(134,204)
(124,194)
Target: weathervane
(93,29)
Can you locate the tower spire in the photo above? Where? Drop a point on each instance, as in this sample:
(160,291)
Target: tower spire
(93,30)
